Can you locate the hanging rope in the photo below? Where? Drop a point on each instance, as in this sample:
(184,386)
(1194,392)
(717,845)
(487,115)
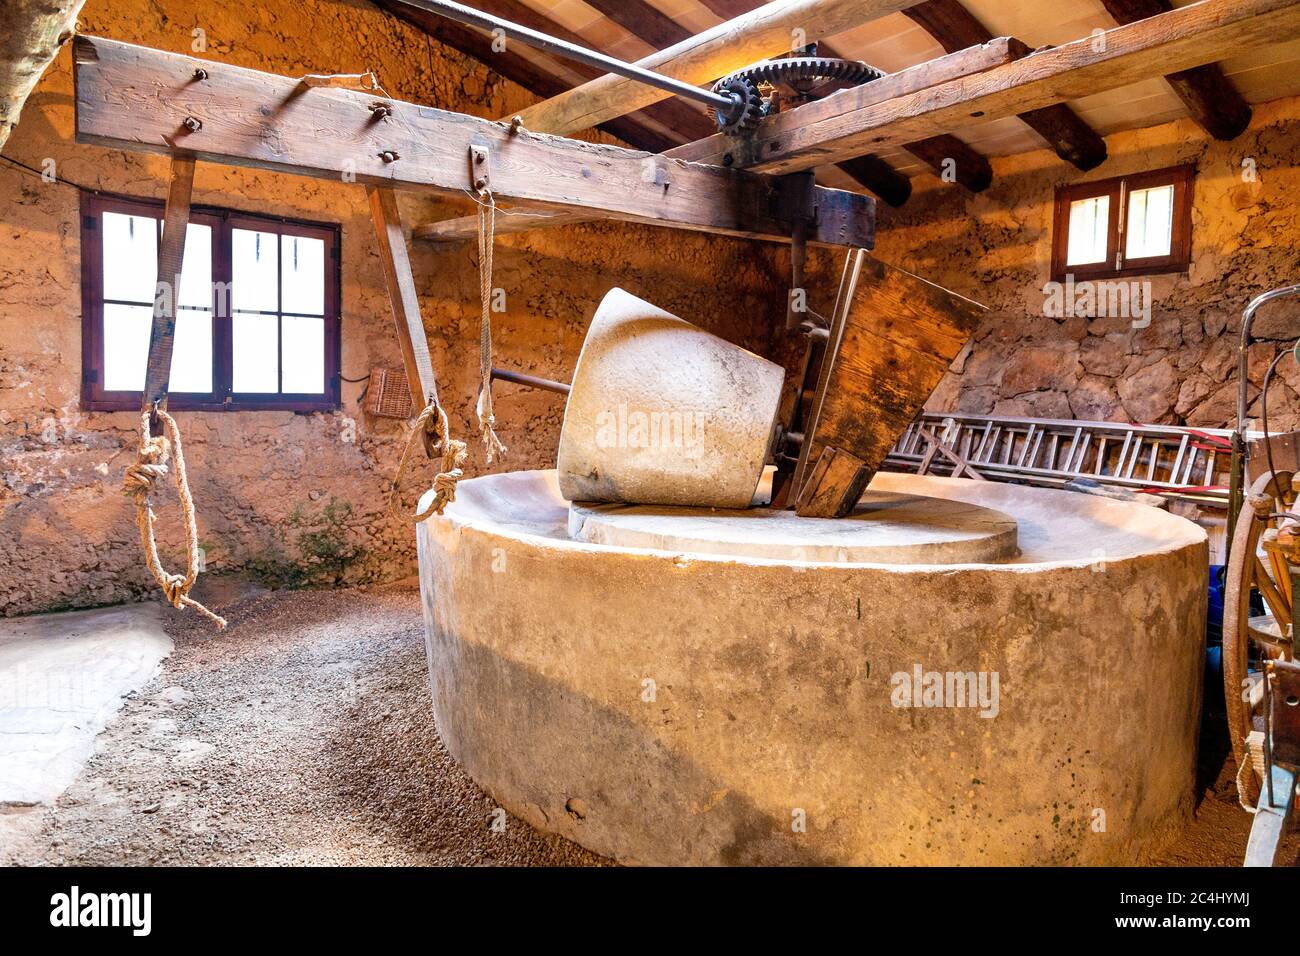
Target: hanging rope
(151,467)
(486,419)
(432,422)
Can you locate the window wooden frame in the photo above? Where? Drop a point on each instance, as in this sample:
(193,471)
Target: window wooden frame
(94,397)
(1114,266)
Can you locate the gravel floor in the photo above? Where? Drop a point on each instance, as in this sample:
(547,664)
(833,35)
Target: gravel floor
(304,735)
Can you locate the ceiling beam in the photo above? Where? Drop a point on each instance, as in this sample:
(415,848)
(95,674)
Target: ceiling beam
(135,98)
(704,57)
(650,26)
(852,121)
(517,69)
(923,76)
(1210,97)
(954,28)
(944,154)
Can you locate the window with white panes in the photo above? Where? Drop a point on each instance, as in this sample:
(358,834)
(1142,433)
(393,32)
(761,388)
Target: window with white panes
(257,318)
(1125,226)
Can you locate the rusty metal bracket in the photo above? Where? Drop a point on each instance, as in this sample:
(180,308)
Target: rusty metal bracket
(480,168)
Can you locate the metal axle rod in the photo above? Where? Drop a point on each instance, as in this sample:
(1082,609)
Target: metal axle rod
(726,103)
(531,381)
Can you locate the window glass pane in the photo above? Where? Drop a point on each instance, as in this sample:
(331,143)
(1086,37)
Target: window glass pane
(1088,225)
(303,274)
(196,270)
(126,346)
(304,355)
(130,257)
(1150,227)
(192,351)
(255,270)
(255,343)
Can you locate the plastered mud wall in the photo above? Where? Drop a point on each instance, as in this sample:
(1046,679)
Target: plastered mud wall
(1178,368)
(294,499)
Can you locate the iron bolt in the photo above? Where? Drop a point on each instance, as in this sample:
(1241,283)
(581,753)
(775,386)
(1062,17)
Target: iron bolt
(389,156)
(200,73)
(193,124)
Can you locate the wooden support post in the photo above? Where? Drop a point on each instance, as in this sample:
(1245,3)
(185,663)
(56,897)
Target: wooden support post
(402,295)
(171,260)
(249,118)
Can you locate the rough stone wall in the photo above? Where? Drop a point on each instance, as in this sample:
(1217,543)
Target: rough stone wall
(294,498)
(1181,368)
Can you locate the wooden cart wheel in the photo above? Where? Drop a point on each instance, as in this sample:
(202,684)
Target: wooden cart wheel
(1250,571)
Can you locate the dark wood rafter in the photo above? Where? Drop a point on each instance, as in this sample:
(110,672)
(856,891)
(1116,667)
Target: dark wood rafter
(520,70)
(1210,97)
(650,26)
(245,117)
(954,28)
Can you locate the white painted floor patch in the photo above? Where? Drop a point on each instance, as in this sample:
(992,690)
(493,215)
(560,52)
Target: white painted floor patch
(62,678)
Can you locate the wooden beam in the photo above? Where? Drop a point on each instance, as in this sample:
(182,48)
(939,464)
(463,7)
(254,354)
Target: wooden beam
(402,297)
(518,69)
(686,119)
(171,262)
(706,56)
(954,27)
(650,26)
(836,127)
(970,168)
(131,97)
(953,66)
(1210,97)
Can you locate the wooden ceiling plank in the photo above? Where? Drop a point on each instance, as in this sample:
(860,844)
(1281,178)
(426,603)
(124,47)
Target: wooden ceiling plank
(244,117)
(955,27)
(1213,101)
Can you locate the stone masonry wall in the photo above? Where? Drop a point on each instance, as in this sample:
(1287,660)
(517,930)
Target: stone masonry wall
(1181,368)
(293,498)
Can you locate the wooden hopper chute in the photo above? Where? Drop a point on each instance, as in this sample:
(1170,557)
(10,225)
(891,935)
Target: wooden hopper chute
(892,338)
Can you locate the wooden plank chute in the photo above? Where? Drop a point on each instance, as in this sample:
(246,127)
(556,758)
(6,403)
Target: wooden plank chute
(890,343)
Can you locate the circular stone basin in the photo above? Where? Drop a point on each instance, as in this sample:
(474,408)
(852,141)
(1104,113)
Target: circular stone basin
(667,705)
(886,527)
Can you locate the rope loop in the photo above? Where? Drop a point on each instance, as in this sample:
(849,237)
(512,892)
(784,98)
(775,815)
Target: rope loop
(141,479)
(432,422)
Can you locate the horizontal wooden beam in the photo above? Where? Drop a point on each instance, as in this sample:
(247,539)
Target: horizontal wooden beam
(853,121)
(913,79)
(132,97)
(767,31)
(954,28)
(1210,97)
(519,69)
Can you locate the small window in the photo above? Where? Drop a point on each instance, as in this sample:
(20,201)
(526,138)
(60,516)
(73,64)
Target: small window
(257,317)
(1127,226)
